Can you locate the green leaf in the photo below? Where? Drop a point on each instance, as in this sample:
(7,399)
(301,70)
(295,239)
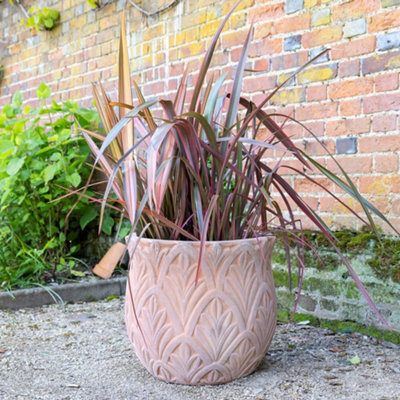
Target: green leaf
(77,273)
(49,172)
(74,179)
(17,99)
(355,360)
(15,165)
(124,232)
(87,217)
(43,91)
(48,23)
(108,223)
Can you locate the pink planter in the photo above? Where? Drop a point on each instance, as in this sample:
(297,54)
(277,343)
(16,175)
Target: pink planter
(209,333)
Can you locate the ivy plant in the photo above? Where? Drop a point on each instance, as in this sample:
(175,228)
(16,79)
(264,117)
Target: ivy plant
(41,18)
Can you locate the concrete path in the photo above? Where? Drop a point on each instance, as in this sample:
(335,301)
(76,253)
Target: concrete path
(82,352)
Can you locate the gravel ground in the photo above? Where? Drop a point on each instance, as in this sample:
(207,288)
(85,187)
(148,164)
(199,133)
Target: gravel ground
(82,352)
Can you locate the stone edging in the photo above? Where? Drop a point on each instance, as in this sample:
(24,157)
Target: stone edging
(71,292)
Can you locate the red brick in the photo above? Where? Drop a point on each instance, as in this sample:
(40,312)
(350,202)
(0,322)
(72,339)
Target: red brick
(396,208)
(264,47)
(362,166)
(267,12)
(303,185)
(351,88)
(384,123)
(314,148)
(382,102)
(350,107)
(292,24)
(386,163)
(354,48)
(316,93)
(376,143)
(386,82)
(262,65)
(354,8)
(316,111)
(316,127)
(345,127)
(386,20)
(349,68)
(261,83)
(232,39)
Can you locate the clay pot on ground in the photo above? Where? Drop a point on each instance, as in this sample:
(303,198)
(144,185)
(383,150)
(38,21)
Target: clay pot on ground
(210,333)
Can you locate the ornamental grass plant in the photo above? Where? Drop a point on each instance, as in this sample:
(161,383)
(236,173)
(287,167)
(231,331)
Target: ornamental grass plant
(192,167)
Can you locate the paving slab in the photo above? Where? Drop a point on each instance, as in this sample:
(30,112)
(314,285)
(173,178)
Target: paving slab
(82,352)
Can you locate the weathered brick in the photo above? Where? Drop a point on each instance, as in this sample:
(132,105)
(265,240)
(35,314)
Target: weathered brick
(350,107)
(390,3)
(350,88)
(354,48)
(294,5)
(386,82)
(318,50)
(384,123)
(372,144)
(267,12)
(315,74)
(263,30)
(355,28)
(348,126)
(321,17)
(256,84)
(382,102)
(322,36)
(385,20)
(355,8)
(346,146)
(381,63)
(387,41)
(289,96)
(292,23)
(267,46)
(362,166)
(349,68)
(316,93)
(386,163)
(316,111)
(292,43)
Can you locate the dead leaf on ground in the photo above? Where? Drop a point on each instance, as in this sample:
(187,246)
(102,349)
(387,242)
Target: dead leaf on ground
(337,349)
(2,350)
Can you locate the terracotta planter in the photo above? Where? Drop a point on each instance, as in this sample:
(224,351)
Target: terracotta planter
(211,333)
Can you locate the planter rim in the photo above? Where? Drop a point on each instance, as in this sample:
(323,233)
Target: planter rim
(169,242)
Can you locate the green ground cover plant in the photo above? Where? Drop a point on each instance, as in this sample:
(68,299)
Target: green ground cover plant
(40,153)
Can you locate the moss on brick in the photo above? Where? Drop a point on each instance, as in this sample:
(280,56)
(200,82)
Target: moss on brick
(341,326)
(384,252)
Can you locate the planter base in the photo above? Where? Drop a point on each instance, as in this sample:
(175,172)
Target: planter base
(210,333)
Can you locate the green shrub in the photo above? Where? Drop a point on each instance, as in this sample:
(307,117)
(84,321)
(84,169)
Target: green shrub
(41,154)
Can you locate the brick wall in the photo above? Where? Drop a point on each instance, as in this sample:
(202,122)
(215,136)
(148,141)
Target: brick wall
(350,98)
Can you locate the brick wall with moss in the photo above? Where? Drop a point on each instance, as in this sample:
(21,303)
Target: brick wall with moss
(328,290)
(350,98)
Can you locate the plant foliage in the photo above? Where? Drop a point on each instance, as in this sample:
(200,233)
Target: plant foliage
(41,18)
(39,152)
(193,167)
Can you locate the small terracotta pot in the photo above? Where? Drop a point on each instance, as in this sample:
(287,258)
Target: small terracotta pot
(209,333)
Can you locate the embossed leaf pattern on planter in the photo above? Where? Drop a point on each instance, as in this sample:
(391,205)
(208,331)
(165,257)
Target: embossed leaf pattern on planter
(209,333)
